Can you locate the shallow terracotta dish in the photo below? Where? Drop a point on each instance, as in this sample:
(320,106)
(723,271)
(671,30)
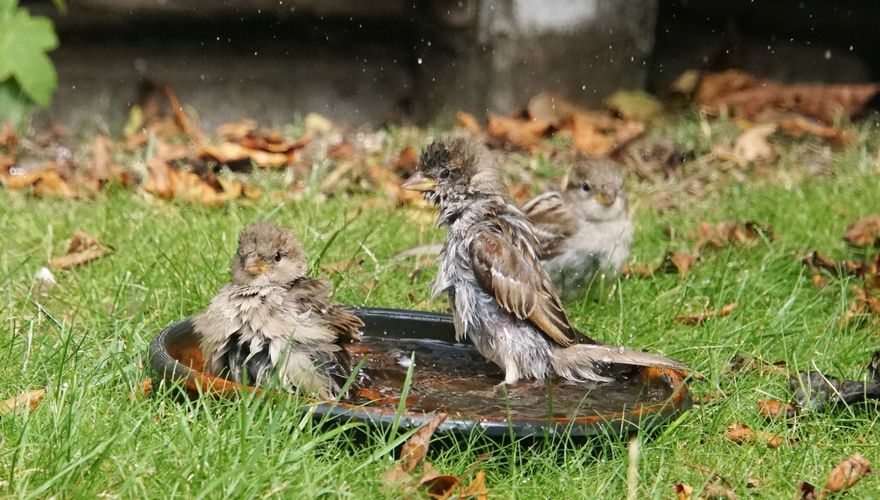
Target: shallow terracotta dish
(453,378)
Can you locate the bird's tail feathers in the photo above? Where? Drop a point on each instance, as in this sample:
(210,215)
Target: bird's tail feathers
(583,362)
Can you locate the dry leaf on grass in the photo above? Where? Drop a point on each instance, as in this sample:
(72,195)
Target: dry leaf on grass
(143,390)
(468,122)
(413,452)
(318,124)
(742,434)
(230,152)
(519,133)
(847,473)
(81,249)
(683,491)
(771,409)
(864,232)
(406,161)
(724,233)
(412,456)
(29,399)
(751,96)
(752,145)
(699,319)
(676,262)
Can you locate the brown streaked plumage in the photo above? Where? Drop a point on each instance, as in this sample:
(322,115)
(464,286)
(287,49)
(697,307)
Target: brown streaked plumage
(501,297)
(584,230)
(273,323)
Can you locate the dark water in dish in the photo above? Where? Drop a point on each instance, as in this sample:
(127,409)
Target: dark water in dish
(455,378)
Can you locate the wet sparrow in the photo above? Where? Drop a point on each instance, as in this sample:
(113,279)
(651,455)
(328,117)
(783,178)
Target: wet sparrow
(274,322)
(584,230)
(501,297)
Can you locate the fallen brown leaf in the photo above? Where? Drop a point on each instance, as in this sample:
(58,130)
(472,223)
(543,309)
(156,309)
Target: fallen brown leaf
(808,491)
(237,131)
(864,232)
(229,152)
(724,233)
(81,249)
(715,490)
(637,271)
(751,96)
(677,262)
(847,473)
(742,434)
(468,122)
(344,150)
(8,137)
(523,134)
(683,491)
(752,145)
(143,390)
(28,399)
(797,126)
(698,319)
(406,161)
(477,488)
(413,452)
(775,409)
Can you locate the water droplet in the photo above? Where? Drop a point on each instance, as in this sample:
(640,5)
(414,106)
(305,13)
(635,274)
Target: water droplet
(419,60)
(828,54)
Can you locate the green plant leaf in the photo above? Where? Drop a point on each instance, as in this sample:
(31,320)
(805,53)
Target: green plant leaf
(24,41)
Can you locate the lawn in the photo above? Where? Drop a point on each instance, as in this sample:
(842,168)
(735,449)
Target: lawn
(86,339)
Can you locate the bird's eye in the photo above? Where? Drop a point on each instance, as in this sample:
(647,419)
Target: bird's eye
(277,256)
(586,187)
(444,174)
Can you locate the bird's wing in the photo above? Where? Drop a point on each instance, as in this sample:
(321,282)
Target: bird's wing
(507,269)
(553,222)
(312,293)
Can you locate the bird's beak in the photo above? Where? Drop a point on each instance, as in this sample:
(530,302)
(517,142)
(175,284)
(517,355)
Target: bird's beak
(419,182)
(255,266)
(605,198)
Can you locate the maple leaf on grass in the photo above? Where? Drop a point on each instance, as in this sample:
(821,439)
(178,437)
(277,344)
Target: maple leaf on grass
(24,41)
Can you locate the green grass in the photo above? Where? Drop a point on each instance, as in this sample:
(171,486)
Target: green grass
(87,342)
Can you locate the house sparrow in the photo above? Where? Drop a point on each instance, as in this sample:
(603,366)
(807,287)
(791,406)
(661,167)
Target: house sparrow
(584,231)
(500,295)
(274,322)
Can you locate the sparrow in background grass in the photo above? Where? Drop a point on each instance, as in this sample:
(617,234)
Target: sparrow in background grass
(275,324)
(584,230)
(501,297)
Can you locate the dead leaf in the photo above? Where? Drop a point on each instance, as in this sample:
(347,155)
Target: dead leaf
(710,396)
(28,399)
(81,249)
(51,185)
(406,161)
(687,82)
(468,122)
(808,491)
(770,409)
(477,488)
(635,105)
(752,145)
(715,490)
(523,134)
(750,96)
(413,452)
(637,271)
(742,434)
(551,108)
(864,232)
(192,131)
(723,233)
(344,150)
(698,319)
(683,491)
(678,262)
(237,131)
(143,390)
(797,126)
(230,152)
(847,473)
(595,134)
(101,167)
(437,485)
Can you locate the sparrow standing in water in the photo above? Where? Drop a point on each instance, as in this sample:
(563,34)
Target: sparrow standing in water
(584,231)
(501,297)
(274,322)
